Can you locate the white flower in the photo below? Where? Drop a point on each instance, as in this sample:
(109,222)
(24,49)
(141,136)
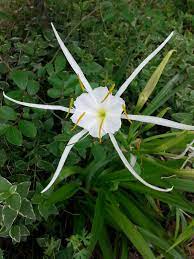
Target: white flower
(100,117)
(98,112)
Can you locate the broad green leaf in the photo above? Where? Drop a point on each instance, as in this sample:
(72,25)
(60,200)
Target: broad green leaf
(14,136)
(26,209)
(46,210)
(4,185)
(185,235)
(24,231)
(9,215)
(14,201)
(3,128)
(150,86)
(130,231)
(23,189)
(20,78)
(97,222)
(3,68)
(60,63)
(15,234)
(27,128)
(7,113)
(63,193)
(54,92)
(32,87)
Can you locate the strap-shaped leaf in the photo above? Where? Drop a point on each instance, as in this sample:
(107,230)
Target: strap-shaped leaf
(130,231)
(97,223)
(151,84)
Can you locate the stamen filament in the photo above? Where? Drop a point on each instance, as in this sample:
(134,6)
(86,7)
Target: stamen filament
(125,112)
(70,107)
(81,84)
(109,92)
(79,119)
(100,130)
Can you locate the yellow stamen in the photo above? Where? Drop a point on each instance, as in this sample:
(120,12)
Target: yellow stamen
(70,107)
(81,84)
(79,119)
(109,92)
(100,130)
(125,112)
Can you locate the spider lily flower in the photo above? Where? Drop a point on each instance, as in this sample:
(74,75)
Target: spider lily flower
(99,112)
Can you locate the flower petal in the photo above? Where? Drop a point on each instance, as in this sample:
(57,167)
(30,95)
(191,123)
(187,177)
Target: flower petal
(39,106)
(72,62)
(64,156)
(132,171)
(141,66)
(159,121)
(112,124)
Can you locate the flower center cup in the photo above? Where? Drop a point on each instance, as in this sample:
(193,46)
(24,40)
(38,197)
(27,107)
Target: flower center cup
(100,117)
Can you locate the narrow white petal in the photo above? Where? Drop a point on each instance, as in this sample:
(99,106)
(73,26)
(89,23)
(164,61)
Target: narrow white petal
(72,61)
(141,66)
(132,171)
(39,106)
(159,121)
(64,156)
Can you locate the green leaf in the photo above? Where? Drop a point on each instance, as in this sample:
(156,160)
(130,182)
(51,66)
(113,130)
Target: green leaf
(4,185)
(14,136)
(15,233)
(54,92)
(130,231)
(3,68)
(24,231)
(20,78)
(97,223)
(1,254)
(185,235)
(27,128)
(14,201)
(60,63)
(3,157)
(161,243)
(23,189)
(46,210)
(63,193)
(3,128)
(7,113)
(105,244)
(26,209)
(32,87)
(9,215)
(151,84)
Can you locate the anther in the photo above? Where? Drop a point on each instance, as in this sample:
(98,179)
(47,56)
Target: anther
(125,112)
(70,107)
(79,119)
(81,84)
(109,92)
(100,130)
